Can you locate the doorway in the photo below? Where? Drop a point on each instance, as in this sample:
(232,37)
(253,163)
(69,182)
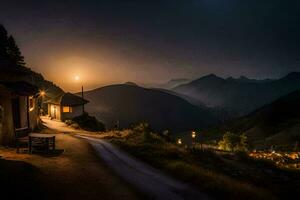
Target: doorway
(16,112)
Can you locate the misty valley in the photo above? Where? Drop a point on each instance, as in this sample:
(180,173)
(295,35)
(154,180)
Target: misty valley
(191,100)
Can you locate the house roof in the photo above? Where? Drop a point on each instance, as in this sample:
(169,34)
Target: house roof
(68,99)
(21,88)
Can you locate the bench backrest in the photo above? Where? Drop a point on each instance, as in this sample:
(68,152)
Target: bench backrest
(22,132)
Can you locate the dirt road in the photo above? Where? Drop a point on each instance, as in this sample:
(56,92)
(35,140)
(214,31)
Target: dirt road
(143,177)
(77,173)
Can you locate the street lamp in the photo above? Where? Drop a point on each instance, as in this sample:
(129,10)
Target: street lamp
(194,137)
(193,134)
(77,78)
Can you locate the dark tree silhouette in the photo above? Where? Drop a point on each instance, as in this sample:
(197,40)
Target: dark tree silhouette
(14,53)
(9,51)
(3,44)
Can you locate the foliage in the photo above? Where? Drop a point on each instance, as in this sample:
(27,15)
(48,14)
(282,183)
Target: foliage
(219,174)
(233,142)
(13,68)
(9,51)
(88,123)
(143,128)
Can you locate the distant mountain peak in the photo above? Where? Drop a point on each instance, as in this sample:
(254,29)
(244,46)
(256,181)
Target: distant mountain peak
(210,77)
(131,83)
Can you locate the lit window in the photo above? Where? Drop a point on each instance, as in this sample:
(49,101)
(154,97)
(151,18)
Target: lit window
(67,109)
(31,103)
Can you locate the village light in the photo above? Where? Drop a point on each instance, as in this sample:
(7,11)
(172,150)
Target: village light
(179,141)
(193,134)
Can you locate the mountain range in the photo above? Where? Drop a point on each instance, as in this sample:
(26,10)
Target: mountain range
(240,96)
(173,83)
(129,104)
(276,124)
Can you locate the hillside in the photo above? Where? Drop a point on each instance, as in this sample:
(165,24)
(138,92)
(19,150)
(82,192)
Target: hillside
(240,96)
(13,66)
(131,104)
(275,124)
(18,73)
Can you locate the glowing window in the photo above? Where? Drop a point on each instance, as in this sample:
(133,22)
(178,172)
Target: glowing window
(31,103)
(67,109)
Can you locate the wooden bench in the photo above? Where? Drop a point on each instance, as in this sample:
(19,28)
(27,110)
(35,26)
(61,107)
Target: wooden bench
(22,137)
(40,140)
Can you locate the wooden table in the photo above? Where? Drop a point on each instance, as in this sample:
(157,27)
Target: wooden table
(39,139)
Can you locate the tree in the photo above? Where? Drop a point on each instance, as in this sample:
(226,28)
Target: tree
(3,44)
(233,142)
(9,51)
(14,53)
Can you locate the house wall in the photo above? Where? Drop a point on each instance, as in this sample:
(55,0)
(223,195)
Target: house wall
(76,111)
(7,126)
(34,118)
(52,113)
(7,132)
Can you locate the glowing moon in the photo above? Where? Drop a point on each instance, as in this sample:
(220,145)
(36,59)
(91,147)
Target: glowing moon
(77,78)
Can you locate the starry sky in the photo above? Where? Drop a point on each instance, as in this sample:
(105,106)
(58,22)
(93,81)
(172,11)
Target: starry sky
(114,41)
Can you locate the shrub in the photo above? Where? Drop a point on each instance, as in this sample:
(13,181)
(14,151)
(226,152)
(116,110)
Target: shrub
(89,123)
(69,122)
(144,129)
(233,142)
(75,125)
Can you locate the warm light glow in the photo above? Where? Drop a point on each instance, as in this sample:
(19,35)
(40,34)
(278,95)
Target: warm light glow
(31,103)
(67,109)
(179,141)
(77,78)
(42,93)
(193,134)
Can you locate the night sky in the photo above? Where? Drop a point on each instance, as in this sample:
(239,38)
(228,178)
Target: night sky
(116,41)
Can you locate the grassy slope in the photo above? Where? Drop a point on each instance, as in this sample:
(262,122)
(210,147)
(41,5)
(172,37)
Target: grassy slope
(221,176)
(275,124)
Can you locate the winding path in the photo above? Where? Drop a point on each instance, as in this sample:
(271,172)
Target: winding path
(145,178)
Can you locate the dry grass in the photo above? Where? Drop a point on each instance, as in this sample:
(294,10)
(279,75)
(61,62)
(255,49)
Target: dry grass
(229,176)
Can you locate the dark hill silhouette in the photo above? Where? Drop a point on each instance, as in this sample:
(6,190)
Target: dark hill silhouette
(275,124)
(241,95)
(131,104)
(21,73)
(13,67)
